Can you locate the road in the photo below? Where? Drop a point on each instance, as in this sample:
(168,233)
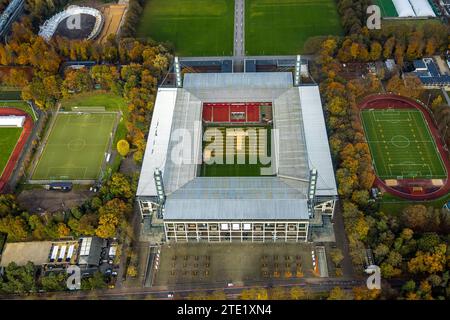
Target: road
(314,285)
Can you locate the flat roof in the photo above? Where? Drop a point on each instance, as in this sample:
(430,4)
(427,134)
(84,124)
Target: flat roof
(21,252)
(317,140)
(299,129)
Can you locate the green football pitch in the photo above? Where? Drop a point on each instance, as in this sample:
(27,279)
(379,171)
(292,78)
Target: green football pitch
(76,147)
(194,27)
(401,144)
(8,141)
(283,26)
(236,152)
(387,8)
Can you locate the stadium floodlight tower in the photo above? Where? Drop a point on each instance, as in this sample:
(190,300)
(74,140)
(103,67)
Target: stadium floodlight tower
(179,78)
(298,66)
(160,191)
(312,191)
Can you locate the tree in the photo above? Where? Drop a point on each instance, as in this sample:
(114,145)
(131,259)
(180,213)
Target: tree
(336,256)
(123,147)
(338,294)
(297,293)
(97,281)
(18,279)
(63,230)
(54,282)
(14,227)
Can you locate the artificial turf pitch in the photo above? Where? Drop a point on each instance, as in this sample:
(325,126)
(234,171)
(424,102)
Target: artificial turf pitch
(234,161)
(76,147)
(275,27)
(8,141)
(401,145)
(194,27)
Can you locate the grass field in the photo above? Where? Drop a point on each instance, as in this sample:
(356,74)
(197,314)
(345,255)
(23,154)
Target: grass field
(194,27)
(8,141)
(240,163)
(401,144)
(387,8)
(283,26)
(76,147)
(109,101)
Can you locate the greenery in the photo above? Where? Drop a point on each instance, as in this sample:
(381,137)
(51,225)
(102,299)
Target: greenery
(283,27)
(76,147)
(8,141)
(194,27)
(401,144)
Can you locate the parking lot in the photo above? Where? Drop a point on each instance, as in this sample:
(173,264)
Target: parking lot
(232,263)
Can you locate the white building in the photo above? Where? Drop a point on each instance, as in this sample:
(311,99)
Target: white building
(280,207)
(12,121)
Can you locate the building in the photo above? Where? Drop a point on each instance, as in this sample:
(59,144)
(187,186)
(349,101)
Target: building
(429,74)
(279,206)
(413,8)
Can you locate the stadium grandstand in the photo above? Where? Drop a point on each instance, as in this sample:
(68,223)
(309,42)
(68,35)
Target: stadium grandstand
(283,204)
(10,14)
(90,24)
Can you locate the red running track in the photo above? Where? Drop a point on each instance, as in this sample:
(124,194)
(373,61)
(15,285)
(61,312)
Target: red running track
(386,101)
(27,128)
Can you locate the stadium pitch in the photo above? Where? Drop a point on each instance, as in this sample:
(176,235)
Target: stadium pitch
(76,146)
(236,151)
(283,26)
(8,141)
(194,27)
(402,145)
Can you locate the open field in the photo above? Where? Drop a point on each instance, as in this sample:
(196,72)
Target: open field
(194,27)
(76,147)
(283,26)
(209,263)
(387,8)
(401,145)
(8,141)
(242,158)
(113,15)
(108,101)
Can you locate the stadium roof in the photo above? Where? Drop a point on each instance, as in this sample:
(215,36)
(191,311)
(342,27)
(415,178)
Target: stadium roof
(301,144)
(404,8)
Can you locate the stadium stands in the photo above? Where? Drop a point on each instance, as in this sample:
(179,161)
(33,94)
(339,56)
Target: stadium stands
(10,14)
(413,8)
(49,27)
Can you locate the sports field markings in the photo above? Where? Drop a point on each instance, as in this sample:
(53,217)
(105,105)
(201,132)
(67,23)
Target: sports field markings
(401,144)
(72,135)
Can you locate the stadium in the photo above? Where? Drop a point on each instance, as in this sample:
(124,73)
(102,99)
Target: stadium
(237,157)
(73,23)
(409,156)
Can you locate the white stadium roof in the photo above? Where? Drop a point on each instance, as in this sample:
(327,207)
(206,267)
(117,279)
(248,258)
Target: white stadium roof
(404,8)
(300,145)
(422,8)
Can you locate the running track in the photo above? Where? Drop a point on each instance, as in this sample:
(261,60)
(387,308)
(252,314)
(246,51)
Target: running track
(27,127)
(384,101)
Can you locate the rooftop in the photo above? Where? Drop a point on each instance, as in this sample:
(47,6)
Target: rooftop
(301,144)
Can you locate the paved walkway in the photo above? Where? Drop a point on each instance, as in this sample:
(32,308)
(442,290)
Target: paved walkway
(239,35)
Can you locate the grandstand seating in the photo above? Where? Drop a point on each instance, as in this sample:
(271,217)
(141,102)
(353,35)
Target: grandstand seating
(49,27)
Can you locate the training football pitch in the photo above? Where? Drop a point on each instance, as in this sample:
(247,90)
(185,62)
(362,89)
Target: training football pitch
(8,141)
(236,152)
(401,144)
(76,146)
(194,27)
(283,26)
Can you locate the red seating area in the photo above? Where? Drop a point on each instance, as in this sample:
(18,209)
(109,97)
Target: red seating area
(232,112)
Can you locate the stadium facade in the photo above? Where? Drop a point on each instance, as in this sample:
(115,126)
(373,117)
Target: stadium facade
(282,206)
